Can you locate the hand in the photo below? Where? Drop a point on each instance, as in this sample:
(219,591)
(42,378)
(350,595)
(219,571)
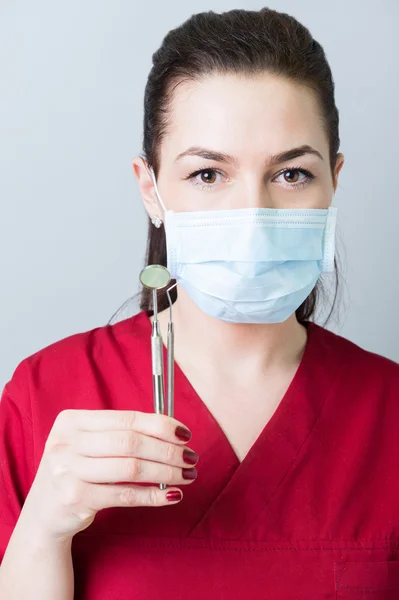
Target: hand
(89,451)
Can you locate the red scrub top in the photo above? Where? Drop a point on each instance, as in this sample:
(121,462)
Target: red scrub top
(312,512)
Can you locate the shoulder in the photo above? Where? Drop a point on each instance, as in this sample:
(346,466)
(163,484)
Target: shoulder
(358,364)
(72,356)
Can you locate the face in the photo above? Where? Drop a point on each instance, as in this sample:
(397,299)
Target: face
(242,142)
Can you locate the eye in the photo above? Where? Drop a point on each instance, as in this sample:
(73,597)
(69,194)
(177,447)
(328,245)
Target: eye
(205,178)
(208,176)
(292,176)
(295,177)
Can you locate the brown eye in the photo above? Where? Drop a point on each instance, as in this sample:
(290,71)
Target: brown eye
(291,176)
(208,176)
(295,178)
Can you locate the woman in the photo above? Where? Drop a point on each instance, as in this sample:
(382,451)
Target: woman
(295,427)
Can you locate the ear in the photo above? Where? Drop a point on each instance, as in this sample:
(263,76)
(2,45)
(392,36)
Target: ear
(147,189)
(338,166)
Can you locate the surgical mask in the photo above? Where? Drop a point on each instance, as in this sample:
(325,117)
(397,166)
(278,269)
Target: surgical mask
(249,265)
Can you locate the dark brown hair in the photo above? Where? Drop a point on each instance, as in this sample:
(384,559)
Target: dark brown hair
(238,41)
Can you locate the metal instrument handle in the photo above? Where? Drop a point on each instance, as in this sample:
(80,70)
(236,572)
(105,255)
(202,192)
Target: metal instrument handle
(171,374)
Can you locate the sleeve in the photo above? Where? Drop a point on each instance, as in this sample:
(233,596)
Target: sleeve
(16,453)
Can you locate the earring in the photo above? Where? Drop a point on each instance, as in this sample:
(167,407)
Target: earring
(157,222)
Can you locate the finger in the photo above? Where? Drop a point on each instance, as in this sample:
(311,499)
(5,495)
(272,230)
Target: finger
(131,443)
(114,470)
(106,496)
(157,425)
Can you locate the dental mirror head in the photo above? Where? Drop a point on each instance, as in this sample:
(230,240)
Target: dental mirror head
(155,277)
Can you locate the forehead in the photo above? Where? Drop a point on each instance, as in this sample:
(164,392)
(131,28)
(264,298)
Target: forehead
(244,115)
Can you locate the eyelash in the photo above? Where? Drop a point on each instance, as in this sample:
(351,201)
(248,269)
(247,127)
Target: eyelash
(208,186)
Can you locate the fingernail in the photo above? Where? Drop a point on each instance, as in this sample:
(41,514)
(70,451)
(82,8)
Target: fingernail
(190,457)
(174,496)
(183,434)
(189,473)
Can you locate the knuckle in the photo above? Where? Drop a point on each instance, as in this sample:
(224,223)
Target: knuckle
(160,423)
(128,496)
(63,423)
(65,416)
(135,469)
(57,440)
(58,470)
(53,442)
(72,494)
(56,464)
(128,419)
(170,452)
(152,497)
(170,474)
(130,443)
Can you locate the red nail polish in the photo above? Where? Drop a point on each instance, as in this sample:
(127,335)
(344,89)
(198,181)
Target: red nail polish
(190,473)
(174,496)
(190,457)
(183,434)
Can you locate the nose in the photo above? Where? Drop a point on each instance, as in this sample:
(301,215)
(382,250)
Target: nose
(256,194)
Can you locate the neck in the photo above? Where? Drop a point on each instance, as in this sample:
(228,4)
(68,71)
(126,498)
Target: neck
(232,348)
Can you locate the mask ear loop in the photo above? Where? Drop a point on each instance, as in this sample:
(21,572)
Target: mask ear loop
(327,263)
(170,225)
(157,190)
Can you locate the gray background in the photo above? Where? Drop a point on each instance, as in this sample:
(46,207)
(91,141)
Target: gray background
(72,225)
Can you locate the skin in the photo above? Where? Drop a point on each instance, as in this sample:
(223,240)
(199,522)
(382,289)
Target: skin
(249,118)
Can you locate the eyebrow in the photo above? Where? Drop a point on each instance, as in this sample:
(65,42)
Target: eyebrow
(272,160)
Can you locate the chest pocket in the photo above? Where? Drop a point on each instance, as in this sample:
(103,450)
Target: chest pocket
(366,580)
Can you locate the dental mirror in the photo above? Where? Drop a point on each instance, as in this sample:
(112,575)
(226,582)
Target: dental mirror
(155,277)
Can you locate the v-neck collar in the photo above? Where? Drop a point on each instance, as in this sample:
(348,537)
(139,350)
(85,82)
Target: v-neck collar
(236,492)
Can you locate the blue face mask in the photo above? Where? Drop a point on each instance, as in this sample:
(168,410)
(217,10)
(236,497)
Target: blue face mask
(249,265)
